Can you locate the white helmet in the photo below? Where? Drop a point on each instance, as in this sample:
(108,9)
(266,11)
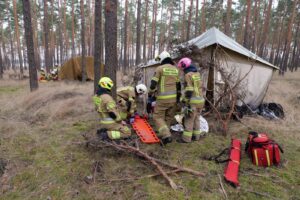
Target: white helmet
(141,89)
(163,55)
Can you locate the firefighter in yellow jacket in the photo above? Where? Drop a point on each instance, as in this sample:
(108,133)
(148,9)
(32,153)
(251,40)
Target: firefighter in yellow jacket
(165,84)
(112,127)
(126,99)
(193,100)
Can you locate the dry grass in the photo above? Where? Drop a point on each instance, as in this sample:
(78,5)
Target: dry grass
(39,132)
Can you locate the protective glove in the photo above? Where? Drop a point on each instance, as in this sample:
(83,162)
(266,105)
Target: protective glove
(131,120)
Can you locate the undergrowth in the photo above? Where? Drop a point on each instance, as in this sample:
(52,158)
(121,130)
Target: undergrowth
(42,146)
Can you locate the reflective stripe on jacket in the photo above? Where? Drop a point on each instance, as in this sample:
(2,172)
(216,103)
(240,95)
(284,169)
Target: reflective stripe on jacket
(104,105)
(166,76)
(193,84)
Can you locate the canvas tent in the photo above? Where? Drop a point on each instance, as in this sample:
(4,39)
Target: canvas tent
(71,69)
(217,47)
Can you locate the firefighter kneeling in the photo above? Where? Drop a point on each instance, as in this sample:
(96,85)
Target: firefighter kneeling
(126,98)
(112,126)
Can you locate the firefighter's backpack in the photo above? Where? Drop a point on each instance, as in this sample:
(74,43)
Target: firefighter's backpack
(262,150)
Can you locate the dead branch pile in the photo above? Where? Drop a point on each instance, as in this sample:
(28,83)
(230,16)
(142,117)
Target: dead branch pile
(156,163)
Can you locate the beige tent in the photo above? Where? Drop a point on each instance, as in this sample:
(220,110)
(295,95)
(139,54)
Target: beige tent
(215,47)
(71,69)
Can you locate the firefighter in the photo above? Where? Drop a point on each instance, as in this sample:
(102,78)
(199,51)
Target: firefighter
(54,74)
(112,127)
(193,101)
(165,85)
(43,76)
(126,98)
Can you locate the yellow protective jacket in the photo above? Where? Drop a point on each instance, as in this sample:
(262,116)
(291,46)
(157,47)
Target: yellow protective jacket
(106,106)
(193,85)
(167,77)
(125,94)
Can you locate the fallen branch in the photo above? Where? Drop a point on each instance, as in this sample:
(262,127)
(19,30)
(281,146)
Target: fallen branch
(124,147)
(138,178)
(262,194)
(183,169)
(222,187)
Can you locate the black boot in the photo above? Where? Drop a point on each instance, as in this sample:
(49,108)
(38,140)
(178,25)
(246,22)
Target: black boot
(102,134)
(180,140)
(166,140)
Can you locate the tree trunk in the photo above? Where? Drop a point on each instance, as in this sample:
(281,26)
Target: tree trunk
(138,34)
(228,18)
(287,46)
(125,64)
(197,20)
(183,27)
(111,58)
(203,19)
(247,26)
(98,40)
(265,30)
(189,21)
(60,39)
(83,59)
(145,31)
(1,59)
(30,46)
(154,29)
(46,36)
(35,36)
(255,25)
(73,29)
(170,26)
(293,63)
(66,38)
(17,36)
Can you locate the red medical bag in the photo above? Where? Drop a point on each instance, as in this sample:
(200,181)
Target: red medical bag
(262,150)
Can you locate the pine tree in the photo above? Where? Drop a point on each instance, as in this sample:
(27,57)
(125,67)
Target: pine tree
(98,40)
(111,58)
(17,36)
(228,18)
(83,59)
(46,37)
(30,46)
(138,33)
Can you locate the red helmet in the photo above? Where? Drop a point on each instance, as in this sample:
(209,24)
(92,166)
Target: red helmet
(184,63)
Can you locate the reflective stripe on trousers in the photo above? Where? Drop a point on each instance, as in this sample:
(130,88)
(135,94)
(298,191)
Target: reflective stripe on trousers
(167,95)
(107,120)
(115,135)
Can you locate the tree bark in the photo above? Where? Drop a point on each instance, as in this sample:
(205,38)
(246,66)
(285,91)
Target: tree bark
(73,29)
(203,19)
(46,36)
(145,30)
(138,34)
(30,46)
(255,25)
(66,38)
(35,36)
(265,30)
(196,18)
(98,40)
(287,46)
(125,64)
(183,27)
(17,36)
(111,58)
(228,18)
(154,28)
(189,21)
(83,59)
(247,26)
(170,26)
